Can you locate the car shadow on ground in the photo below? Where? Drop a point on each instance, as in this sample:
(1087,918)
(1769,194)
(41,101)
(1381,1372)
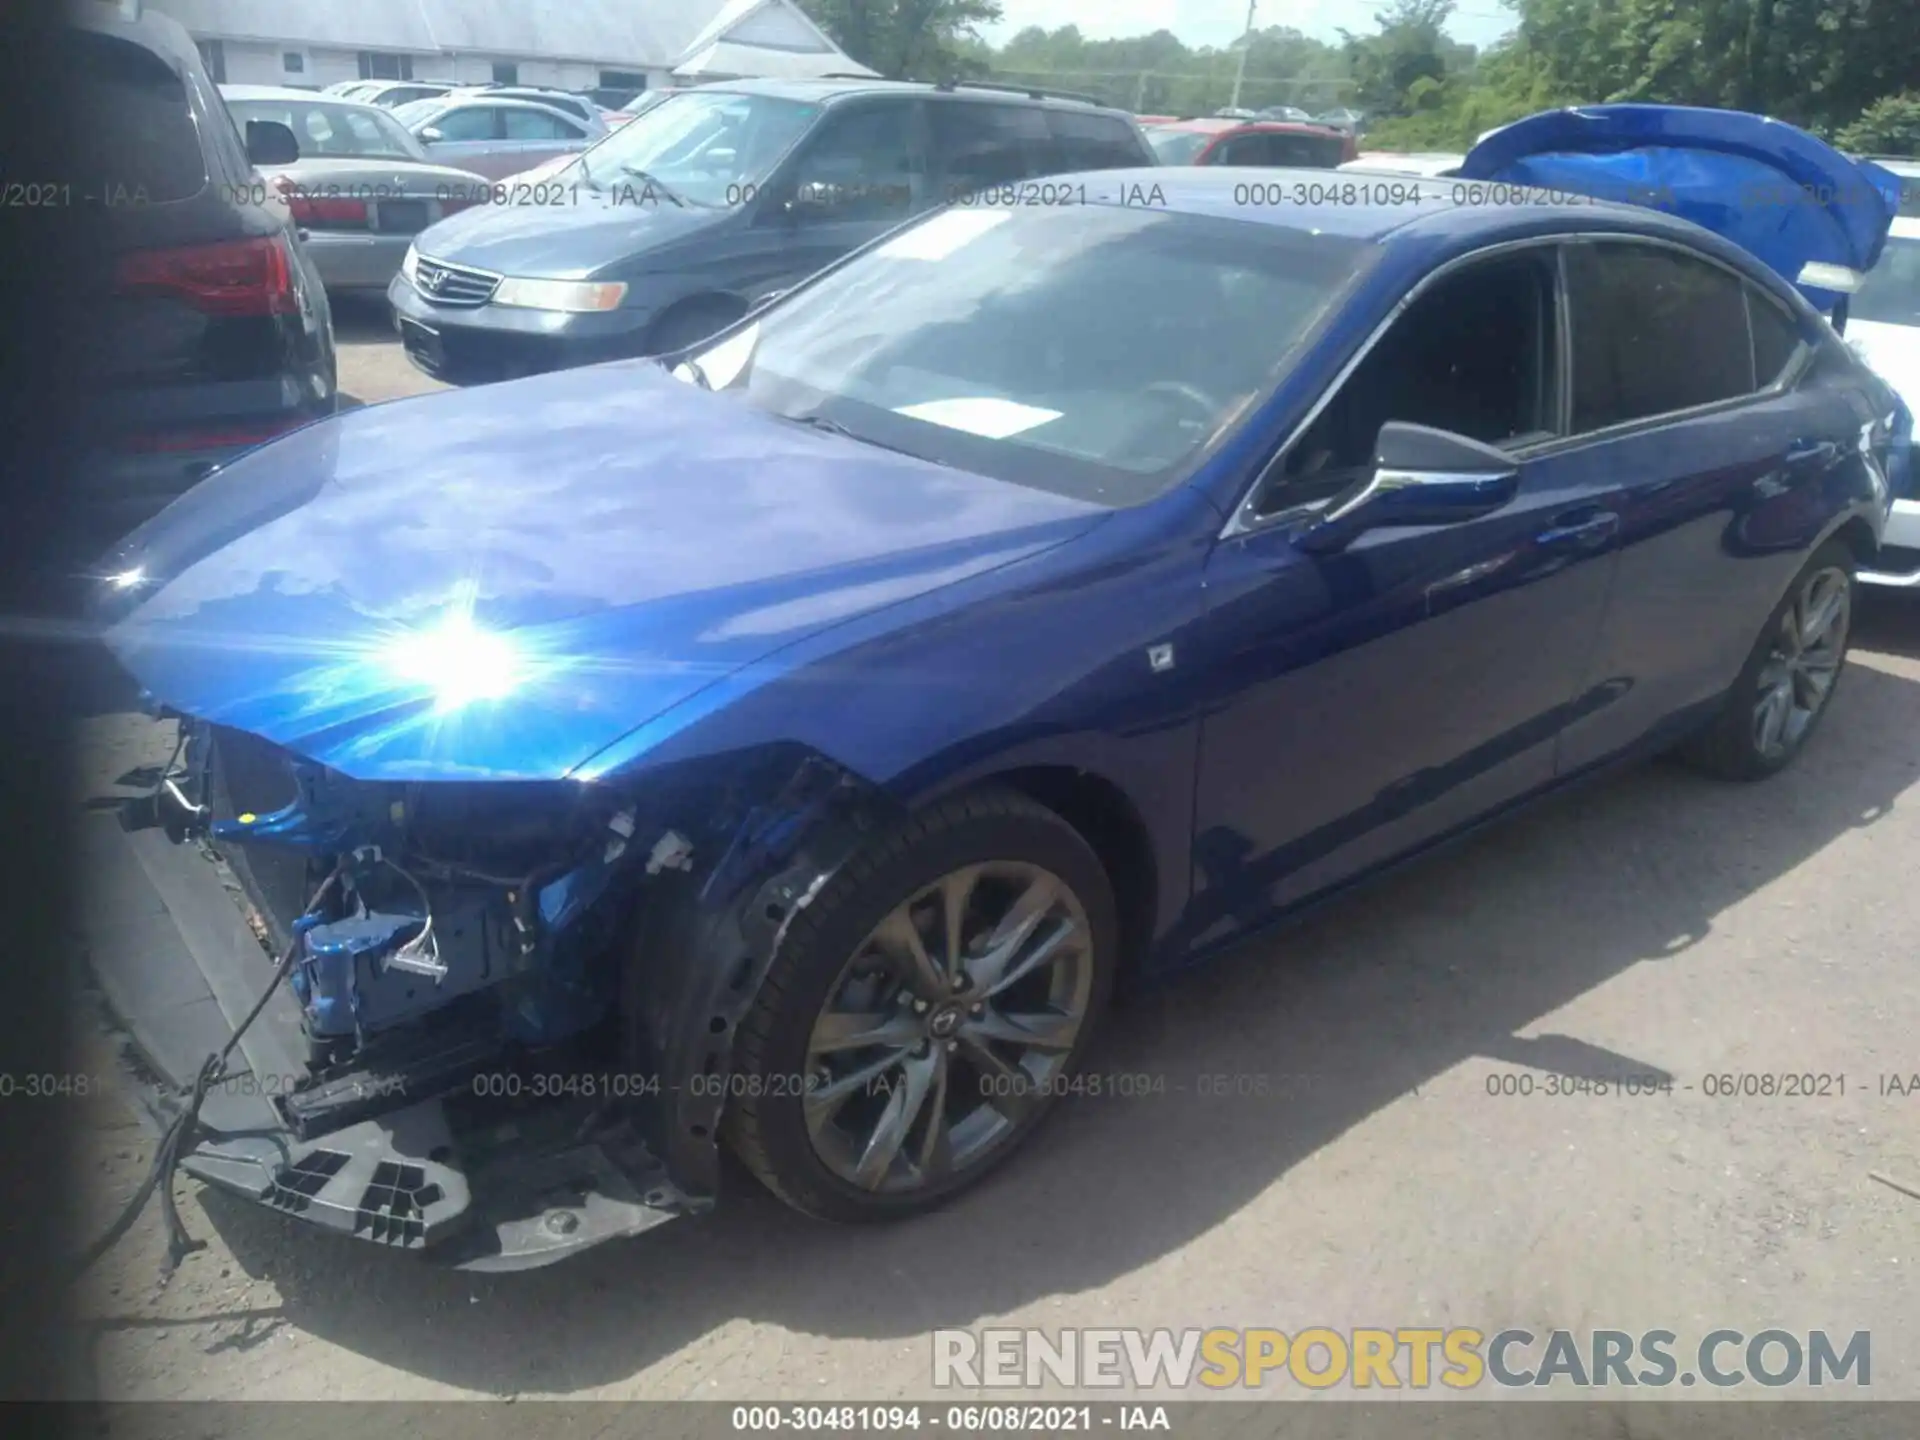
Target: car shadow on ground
(1360,1004)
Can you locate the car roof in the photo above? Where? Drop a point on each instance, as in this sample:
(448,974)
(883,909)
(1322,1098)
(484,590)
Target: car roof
(821,92)
(1209,190)
(289,92)
(490,97)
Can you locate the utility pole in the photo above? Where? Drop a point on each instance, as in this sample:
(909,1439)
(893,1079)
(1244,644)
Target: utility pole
(1246,44)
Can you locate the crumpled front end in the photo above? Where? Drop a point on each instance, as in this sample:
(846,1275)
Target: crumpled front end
(484,1049)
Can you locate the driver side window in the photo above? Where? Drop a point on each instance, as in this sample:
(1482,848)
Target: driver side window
(868,163)
(1477,354)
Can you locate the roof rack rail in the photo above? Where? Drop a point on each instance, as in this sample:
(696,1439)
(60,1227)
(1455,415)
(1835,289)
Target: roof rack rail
(1032,92)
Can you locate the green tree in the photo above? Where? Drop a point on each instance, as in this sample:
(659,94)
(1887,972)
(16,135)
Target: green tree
(1890,126)
(923,39)
(1411,46)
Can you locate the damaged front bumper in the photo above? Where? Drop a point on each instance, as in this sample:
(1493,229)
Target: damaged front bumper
(505,1171)
(491,1124)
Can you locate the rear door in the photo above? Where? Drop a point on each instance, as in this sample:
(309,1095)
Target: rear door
(980,146)
(1698,420)
(533,137)
(1093,141)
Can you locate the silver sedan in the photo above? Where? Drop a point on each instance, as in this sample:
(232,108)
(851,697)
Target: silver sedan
(362,188)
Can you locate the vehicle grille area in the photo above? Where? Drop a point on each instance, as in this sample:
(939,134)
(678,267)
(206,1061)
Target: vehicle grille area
(453,285)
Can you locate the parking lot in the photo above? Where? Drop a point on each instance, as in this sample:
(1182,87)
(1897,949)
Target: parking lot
(1360,1163)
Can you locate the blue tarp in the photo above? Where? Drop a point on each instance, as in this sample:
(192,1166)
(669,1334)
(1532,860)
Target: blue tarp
(1782,194)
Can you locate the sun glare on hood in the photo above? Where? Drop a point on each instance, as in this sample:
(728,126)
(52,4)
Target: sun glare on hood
(457,660)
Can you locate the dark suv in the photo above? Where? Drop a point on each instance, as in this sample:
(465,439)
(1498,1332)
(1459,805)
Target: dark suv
(712,201)
(209,330)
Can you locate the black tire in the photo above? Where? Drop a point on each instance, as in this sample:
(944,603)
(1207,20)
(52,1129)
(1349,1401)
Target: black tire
(1730,747)
(686,325)
(765,1125)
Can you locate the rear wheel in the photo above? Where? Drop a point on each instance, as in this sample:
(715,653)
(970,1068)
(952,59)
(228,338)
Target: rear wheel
(1789,679)
(925,1011)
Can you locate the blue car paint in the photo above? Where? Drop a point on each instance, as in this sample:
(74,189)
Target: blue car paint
(664,538)
(1776,191)
(951,627)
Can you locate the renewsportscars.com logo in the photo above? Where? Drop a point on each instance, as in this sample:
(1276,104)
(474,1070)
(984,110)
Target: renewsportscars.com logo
(1412,1357)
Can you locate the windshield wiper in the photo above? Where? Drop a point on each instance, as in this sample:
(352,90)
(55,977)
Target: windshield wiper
(653,183)
(834,427)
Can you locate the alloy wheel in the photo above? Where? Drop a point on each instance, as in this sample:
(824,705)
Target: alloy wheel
(948,1026)
(1799,671)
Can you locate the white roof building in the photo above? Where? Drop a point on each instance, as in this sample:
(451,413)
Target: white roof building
(579,44)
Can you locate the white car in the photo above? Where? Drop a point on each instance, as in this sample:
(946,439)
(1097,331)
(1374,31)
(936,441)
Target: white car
(1883,327)
(1429,164)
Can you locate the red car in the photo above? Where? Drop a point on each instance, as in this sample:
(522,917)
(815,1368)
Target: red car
(1215,141)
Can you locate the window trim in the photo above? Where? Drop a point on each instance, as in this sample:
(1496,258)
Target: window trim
(1245,519)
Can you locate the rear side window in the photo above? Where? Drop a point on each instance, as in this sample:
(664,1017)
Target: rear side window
(133,131)
(1775,338)
(475,122)
(535,125)
(1093,142)
(981,145)
(1653,331)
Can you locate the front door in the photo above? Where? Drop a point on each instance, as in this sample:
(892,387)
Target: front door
(1374,699)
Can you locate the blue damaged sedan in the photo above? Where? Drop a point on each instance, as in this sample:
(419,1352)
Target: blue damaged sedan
(788,746)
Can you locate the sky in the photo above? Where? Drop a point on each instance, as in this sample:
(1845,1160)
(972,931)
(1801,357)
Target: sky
(1219,22)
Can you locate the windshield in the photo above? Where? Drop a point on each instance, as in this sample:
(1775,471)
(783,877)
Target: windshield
(1177,147)
(1001,340)
(341,130)
(709,148)
(1890,293)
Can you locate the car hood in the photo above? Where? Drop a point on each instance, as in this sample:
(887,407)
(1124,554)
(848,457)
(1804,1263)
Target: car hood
(1783,195)
(581,236)
(318,170)
(498,583)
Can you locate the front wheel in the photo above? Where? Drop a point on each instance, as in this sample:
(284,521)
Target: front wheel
(926,1011)
(1789,678)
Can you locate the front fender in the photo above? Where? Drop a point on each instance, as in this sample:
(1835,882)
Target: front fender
(707,936)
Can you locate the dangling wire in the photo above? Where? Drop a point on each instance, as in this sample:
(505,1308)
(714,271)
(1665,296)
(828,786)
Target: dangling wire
(184,1130)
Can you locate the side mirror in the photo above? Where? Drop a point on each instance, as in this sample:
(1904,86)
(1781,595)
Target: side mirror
(817,195)
(1421,476)
(432,135)
(271,143)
